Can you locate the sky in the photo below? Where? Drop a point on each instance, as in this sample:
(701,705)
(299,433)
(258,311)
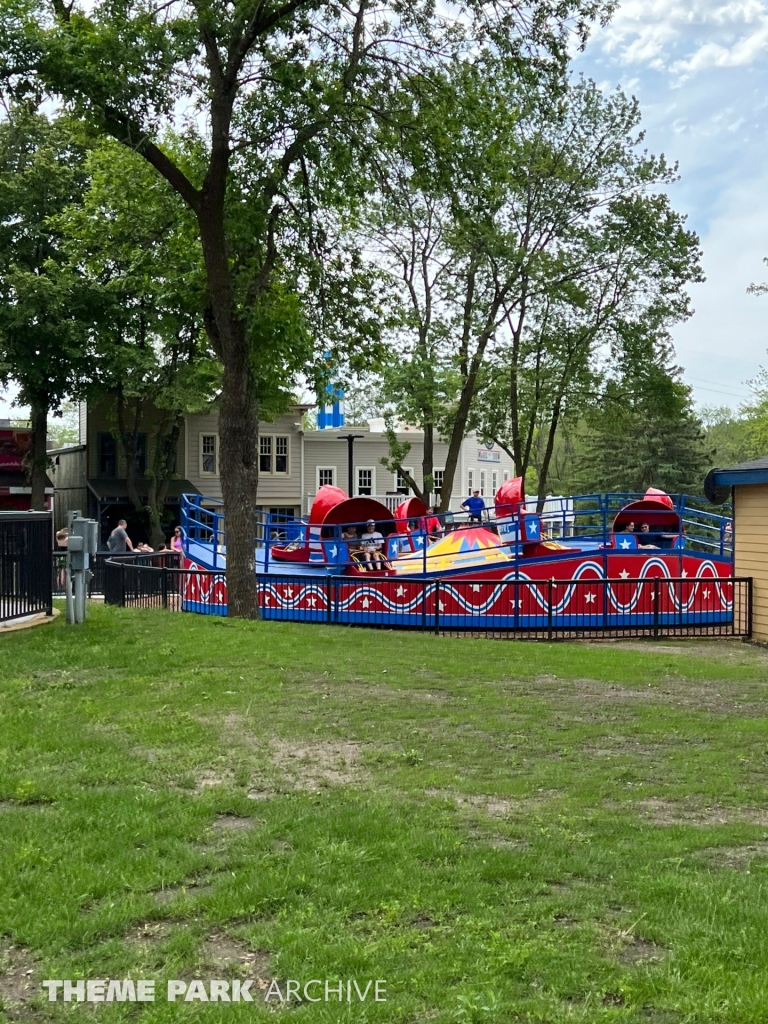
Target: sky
(699,69)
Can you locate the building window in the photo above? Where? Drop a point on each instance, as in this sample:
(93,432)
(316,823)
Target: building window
(106,455)
(281,454)
(482,482)
(506,475)
(209,455)
(470,481)
(437,476)
(326,476)
(265,454)
(365,481)
(494,483)
(273,455)
(401,484)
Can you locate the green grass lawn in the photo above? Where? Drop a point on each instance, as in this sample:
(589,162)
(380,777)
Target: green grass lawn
(499,831)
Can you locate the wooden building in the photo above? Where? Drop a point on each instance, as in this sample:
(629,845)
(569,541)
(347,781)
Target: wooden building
(747,484)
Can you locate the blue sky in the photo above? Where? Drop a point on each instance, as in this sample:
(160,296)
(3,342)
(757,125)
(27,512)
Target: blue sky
(700,71)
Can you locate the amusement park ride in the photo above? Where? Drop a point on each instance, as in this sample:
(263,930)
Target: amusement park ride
(621,542)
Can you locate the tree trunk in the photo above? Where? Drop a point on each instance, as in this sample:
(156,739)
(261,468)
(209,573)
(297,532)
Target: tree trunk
(37,456)
(427,463)
(459,430)
(238,413)
(163,467)
(239,469)
(550,447)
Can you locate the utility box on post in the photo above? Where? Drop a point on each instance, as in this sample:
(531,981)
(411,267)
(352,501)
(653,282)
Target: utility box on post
(83,542)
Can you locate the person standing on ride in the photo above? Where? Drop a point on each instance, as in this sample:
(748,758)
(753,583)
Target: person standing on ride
(475,506)
(372,542)
(177,543)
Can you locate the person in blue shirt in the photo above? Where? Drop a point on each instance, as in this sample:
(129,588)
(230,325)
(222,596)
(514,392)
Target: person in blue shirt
(475,506)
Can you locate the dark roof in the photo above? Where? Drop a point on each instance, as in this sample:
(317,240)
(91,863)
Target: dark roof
(753,472)
(115,489)
(755,464)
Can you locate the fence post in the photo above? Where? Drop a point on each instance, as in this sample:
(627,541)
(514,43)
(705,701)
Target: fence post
(549,608)
(423,606)
(164,586)
(329,599)
(655,606)
(749,607)
(122,584)
(437,607)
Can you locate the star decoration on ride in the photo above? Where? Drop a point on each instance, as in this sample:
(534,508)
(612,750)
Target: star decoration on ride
(418,541)
(625,544)
(400,591)
(590,597)
(706,593)
(332,551)
(624,574)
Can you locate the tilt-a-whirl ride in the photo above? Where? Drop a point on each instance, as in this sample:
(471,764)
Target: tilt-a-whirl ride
(595,559)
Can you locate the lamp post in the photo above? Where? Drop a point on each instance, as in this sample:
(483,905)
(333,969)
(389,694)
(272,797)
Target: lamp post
(350,439)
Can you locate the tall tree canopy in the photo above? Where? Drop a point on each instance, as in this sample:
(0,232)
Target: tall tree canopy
(133,244)
(268,91)
(44,310)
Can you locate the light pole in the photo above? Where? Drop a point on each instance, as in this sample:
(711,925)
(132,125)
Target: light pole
(350,439)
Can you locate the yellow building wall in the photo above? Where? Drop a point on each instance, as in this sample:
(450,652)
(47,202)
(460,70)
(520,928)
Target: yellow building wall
(751,549)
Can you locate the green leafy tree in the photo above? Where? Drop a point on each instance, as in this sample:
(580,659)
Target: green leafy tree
(133,244)
(282,88)
(44,308)
(728,434)
(598,251)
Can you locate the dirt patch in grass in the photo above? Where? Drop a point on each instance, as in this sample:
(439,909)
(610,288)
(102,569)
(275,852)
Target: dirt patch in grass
(146,754)
(495,806)
(310,766)
(17,976)
(232,823)
(230,954)
(671,812)
(148,933)
(737,858)
(638,951)
(169,893)
(209,779)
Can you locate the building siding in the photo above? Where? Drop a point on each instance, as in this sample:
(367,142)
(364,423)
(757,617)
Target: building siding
(324,449)
(67,474)
(102,418)
(276,491)
(751,549)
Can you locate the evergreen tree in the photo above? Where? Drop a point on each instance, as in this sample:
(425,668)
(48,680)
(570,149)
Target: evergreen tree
(643,432)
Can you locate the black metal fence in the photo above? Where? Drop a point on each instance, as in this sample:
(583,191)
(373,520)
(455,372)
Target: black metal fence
(543,609)
(98,584)
(25,573)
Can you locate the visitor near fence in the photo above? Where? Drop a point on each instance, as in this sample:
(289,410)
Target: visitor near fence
(119,542)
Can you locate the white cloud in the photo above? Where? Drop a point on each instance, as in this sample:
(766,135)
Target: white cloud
(685,37)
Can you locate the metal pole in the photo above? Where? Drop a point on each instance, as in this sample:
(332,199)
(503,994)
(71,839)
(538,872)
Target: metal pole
(350,439)
(655,606)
